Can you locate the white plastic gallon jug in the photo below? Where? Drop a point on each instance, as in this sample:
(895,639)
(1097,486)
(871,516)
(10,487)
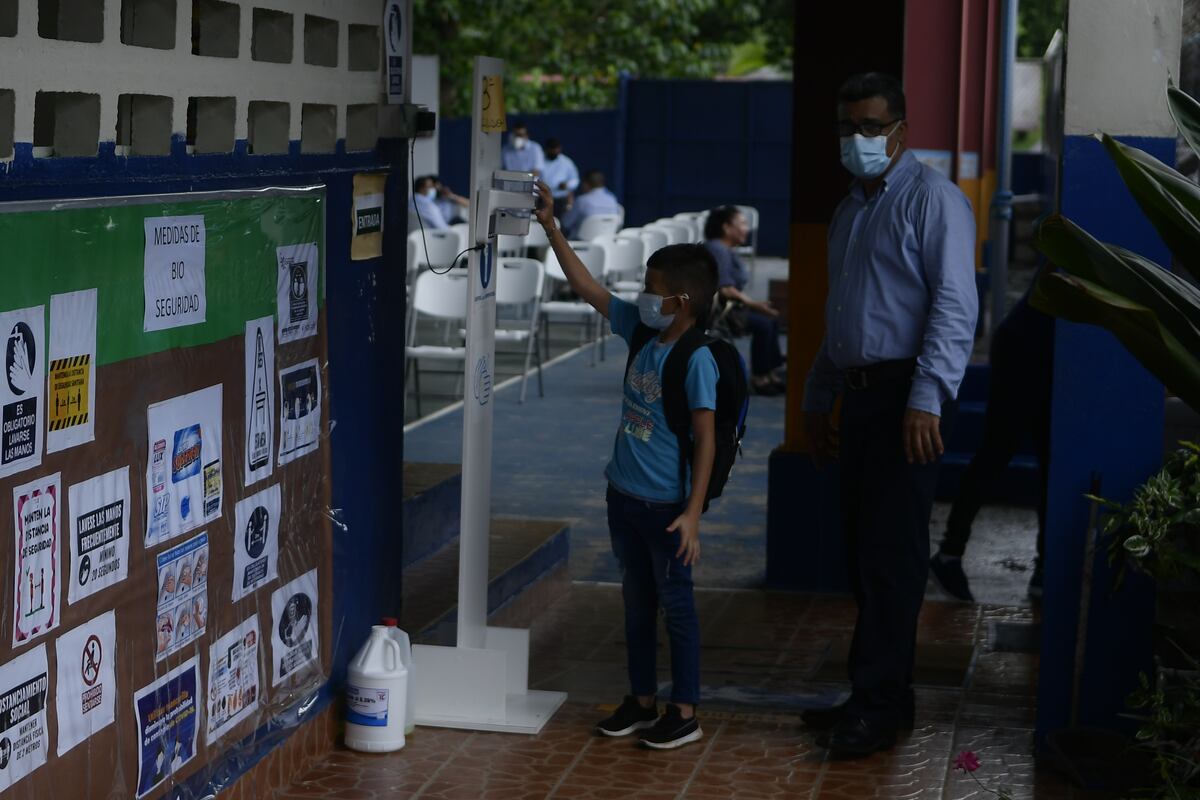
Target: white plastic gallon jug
(376,694)
(406,657)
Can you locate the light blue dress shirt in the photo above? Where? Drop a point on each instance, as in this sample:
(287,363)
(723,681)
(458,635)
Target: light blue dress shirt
(901,285)
(589,204)
(560,170)
(530,159)
(430,214)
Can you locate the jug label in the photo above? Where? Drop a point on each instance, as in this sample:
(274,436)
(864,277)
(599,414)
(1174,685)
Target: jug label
(367,706)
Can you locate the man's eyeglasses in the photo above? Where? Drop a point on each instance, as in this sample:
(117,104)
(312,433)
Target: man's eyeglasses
(868,129)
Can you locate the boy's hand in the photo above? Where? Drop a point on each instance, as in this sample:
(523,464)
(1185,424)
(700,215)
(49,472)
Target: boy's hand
(545,214)
(688,525)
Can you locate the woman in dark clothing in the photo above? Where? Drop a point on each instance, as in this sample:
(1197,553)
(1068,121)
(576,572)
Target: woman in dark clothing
(725,230)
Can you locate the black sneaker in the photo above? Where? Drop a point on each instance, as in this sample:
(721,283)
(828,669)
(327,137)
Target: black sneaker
(1035,582)
(629,717)
(672,730)
(949,573)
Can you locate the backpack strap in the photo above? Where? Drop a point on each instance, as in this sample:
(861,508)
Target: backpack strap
(675,400)
(642,335)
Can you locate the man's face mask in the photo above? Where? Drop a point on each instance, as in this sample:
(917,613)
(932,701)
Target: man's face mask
(431,193)
(866,157)
(551,156)
(519,142)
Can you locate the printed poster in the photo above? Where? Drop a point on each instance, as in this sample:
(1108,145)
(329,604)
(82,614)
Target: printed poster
(98,512)
(24,691)
(173,262)
(182,595)
(296,289)
(366,236)
(260,399)
(36,524)
(233,679)
(256,542)
(294,641)
(183,476)
(166,713)
(86,691)
(299,410)
(22,390)
(71,393)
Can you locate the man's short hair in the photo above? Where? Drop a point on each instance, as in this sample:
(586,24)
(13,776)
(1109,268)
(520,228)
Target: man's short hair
(421,180)
(594,177)
(690,269)
(875,84)
(519,125)
(551,144)
(718,218)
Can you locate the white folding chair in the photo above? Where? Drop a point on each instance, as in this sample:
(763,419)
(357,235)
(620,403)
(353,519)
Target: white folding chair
(519,286)
(681,231)
(574,311)
(597,225)
(620,216)
(654,238)
(750,248)
(624,264)
(463,231)
(512,246)
(433,249)
(442,297)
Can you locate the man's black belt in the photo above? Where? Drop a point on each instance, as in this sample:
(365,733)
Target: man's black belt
(883,372)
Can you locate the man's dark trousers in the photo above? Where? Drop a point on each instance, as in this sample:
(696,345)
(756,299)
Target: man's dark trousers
(886,503)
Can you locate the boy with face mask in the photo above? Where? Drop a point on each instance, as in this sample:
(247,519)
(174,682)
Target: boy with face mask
(653,519)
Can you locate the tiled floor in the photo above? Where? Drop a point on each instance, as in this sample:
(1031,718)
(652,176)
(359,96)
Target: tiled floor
(759,650)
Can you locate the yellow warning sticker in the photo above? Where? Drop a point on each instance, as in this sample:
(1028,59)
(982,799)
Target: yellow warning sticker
(492,104)
(68,403)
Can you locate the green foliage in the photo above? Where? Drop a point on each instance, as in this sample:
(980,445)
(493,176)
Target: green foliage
(569,56)
(1036,23)
(1169,729)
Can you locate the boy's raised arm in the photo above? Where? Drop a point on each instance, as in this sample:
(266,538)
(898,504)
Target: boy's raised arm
(582,282)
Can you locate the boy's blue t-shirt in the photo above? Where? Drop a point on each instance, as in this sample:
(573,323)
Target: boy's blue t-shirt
(645,460)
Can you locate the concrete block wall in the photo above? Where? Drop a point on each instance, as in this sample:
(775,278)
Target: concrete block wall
(75,74)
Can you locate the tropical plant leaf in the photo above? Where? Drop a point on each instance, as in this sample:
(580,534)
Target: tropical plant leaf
(1169,200)
(1174,302)
(1136,326)
(1186,113)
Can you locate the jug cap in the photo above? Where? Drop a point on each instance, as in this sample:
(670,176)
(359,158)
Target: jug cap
(390,622)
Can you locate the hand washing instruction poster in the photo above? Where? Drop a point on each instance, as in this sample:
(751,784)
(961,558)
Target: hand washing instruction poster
(24,740)
(174,272)
(233,679)
(22,389)
(260,399)
(71,394)
(256,542)
(294,641)
(86,690)
(183,476)
(36,580)
(166,713)
(296,290)
(98,515)
(299,410)
(182,595)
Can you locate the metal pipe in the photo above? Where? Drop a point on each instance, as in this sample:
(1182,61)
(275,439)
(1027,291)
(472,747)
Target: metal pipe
(1002,202)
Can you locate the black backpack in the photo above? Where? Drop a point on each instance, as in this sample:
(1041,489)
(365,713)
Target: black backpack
(733,400)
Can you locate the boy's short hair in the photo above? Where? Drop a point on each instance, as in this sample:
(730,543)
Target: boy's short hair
(718,218)
(690,269)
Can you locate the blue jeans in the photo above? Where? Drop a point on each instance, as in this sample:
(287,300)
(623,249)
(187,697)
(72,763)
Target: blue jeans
(653,576)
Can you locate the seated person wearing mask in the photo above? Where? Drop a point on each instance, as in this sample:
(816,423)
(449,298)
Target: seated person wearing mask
(725,230)
(522,154)
(425,202)
(453,206)
(561,175)
(593,199)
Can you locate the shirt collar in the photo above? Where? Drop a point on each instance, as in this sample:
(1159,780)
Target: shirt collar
(905,166)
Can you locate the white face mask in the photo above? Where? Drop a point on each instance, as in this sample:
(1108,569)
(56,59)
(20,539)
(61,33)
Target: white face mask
(650,310)
(866,157)
(431,193)
(519,142)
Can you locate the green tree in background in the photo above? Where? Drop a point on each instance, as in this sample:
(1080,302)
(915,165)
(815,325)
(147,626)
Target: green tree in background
(1037,21)
(569,55)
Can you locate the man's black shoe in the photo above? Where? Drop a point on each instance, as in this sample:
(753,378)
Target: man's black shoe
(949,573)
(822,719)
(672,730)
(629,718)
(855,737)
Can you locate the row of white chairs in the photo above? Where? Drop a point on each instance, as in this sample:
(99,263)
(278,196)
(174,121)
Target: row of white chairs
(613,256)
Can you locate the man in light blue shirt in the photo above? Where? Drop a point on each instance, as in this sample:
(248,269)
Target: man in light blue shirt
(561,175)
(425,203)
(900,324)
(522,154)
(593,199)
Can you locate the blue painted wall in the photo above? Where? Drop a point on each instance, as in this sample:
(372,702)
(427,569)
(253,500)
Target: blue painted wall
(1108,421)
(672,146)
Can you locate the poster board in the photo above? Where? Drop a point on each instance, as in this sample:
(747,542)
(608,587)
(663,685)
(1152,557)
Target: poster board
(91,258)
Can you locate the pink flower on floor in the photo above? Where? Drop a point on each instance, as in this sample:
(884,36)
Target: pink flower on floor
(967,761)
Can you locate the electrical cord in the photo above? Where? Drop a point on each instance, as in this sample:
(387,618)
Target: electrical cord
(412,161)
